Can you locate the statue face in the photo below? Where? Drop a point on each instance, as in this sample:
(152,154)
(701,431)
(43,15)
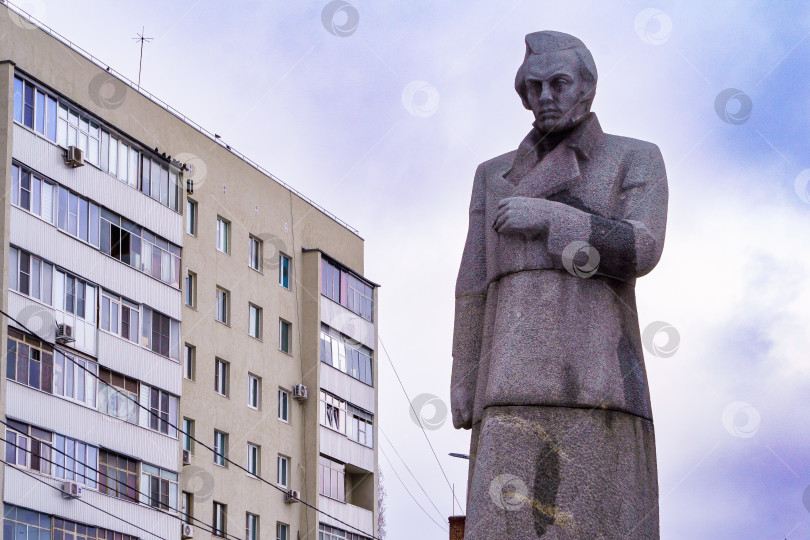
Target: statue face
(555,90)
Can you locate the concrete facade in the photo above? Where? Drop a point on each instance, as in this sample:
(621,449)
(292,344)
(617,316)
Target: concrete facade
(255,206)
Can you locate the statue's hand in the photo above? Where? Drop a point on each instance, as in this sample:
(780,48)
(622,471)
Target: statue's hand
(522,215)
(461,402)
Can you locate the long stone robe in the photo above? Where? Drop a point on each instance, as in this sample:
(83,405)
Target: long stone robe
(553,355)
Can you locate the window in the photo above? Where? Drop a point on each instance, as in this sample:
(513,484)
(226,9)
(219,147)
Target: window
(283,478)
(191,289)
(284,270)
(74,296)
(75,378)
(223,310)
(159,182)
(75,460)
(63,528)
(325,532)
(254,391)
(347,289)
(252,527)
(139,248)
(191,217)
(31,276)
(190,362)
(333,412)
(163,411)
(32,193)
(221,377)
(347,355)
(220,448)
(120,317)
(255,253)
(161,334)
(220,516)
(158,487)
(119,476)
(282,531)
(118,395)
(34,109)
(284,336)
(22,523)
(187,507)
(254,459)
(283,405)
(28,446)
(255,321)
(223,235)
(361,426)
(188,434)
(332,479)
(29,363)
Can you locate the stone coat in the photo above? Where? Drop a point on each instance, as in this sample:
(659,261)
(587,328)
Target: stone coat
(529,332)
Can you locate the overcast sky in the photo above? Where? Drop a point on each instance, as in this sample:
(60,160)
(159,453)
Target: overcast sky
(385,125)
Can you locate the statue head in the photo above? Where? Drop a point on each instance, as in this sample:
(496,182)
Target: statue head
(557,80)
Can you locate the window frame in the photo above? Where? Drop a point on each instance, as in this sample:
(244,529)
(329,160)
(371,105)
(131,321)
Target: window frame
(190,289)
(223,306)
(223,237)
(283,466)
(192,217)
(255,253)
(254,395)
(284,271)
(284,397)
(259,321)
(220,448)
(252,530)
(220,519)
(187,441)
(190,362)
(282,334)
(254,460)
(222,377)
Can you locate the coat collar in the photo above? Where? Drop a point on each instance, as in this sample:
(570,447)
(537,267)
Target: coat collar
(541,178)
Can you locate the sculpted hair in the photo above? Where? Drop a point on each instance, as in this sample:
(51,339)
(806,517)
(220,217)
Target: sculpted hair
(548,41)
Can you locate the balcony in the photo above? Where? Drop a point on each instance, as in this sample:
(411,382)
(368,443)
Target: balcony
(27,492)
(353,515)
(348,323)
(340,447)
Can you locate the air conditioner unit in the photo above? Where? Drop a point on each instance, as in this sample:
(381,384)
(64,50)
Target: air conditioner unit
(292,496)
(71,490)
(300,392)
(186,457)
(64,333)
(74,156)
(187,531)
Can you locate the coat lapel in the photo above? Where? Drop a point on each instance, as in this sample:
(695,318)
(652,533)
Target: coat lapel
(559,170)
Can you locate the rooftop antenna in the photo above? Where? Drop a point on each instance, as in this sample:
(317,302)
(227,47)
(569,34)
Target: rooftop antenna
(142,39)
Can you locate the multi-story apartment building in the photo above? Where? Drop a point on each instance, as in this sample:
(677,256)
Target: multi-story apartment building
(190,342)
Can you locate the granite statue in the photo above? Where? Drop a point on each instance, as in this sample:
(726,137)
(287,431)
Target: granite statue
(548,368)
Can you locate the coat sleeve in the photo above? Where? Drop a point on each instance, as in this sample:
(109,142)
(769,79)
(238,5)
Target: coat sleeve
(470,299)
(628,245)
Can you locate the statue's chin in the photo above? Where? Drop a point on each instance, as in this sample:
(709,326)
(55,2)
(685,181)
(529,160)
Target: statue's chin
(557,125)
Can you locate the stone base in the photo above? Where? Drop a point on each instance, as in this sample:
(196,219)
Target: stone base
(560,473)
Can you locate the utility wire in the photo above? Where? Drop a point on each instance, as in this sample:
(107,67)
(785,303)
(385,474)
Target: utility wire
(411,472)
(240,467)
(119,482)
(420,423)
(41,481)
(409,491)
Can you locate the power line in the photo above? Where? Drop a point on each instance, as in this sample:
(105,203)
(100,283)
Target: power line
(411,472)
(210,529)
(409,491)
(281,489)
(420,423)
(41,481)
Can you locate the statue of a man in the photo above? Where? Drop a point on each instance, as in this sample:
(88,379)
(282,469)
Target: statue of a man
(548,368)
